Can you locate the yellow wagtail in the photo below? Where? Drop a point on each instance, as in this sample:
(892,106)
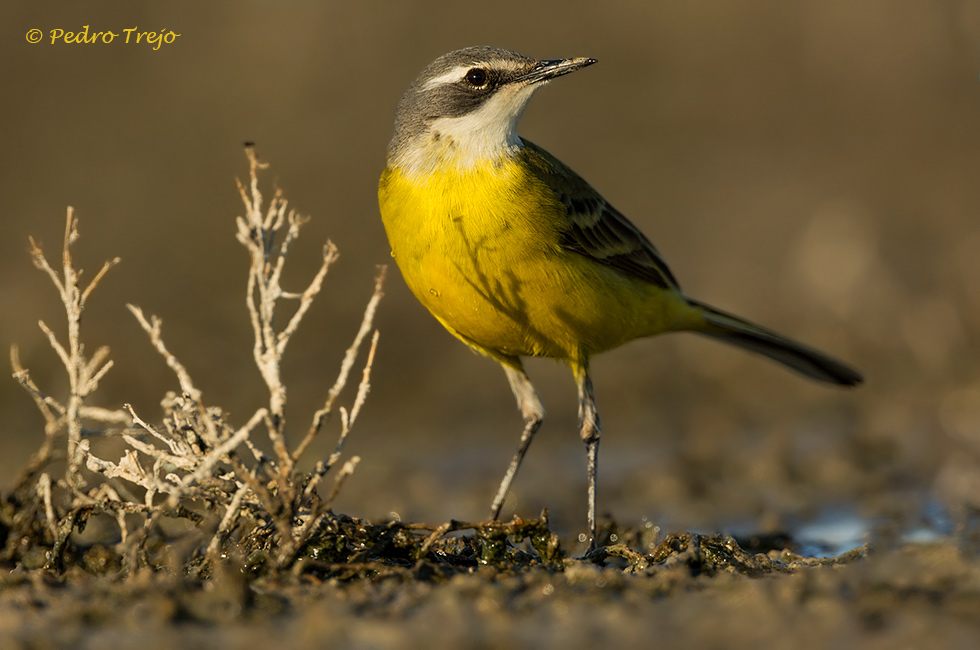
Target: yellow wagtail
(516,255)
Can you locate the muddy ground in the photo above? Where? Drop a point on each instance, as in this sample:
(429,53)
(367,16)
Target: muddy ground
(895,568)
(918,595)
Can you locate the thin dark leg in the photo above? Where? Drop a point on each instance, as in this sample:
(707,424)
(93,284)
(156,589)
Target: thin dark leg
(590,431)
(530,406)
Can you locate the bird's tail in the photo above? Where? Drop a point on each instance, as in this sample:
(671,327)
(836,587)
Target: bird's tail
(813,364)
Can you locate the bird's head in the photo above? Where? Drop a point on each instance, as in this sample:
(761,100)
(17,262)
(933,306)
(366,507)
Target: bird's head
(464,107)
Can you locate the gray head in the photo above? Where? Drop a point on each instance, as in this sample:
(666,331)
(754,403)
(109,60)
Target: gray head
(464,107)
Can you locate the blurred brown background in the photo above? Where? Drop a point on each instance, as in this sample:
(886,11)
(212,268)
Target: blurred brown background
(814,166)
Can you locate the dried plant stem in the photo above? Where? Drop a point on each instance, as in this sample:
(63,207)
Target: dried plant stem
(152,327)
(347,421)
(258,232)
(350,356)
(83,375)
(44,487)
(232,513)
(52,421)
(217,455)
(319,512)
(191,464)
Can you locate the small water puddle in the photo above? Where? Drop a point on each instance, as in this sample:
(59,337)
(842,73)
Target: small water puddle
(837,530)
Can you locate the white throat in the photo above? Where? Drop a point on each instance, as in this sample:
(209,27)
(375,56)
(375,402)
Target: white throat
(484,136)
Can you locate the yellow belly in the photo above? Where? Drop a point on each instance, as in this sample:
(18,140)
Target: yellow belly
(481,251)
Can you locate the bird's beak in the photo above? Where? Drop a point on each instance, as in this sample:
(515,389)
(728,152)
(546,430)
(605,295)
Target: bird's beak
(546,70)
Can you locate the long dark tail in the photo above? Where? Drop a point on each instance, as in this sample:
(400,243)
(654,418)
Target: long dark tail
(813,364)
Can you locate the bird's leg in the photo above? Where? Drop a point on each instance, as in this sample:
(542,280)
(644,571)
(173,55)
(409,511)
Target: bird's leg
(530,406)
(590,431)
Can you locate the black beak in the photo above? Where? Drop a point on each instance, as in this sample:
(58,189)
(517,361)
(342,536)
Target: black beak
(546,70)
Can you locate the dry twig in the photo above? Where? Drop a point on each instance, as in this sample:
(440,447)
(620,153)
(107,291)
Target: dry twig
(193,458)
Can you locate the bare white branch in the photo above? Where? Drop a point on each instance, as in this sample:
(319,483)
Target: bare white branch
(44,488)
(330,255)
(152,328)
(232,513)
(196,454)
(106,415)
(177,447)
(346,365)
(53,340)
(42,263)
(98,276)
(218,455)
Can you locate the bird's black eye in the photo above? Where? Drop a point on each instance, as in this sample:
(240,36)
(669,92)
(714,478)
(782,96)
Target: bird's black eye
(477,77)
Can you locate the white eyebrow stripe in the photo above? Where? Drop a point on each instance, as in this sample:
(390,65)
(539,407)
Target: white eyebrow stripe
(452,76)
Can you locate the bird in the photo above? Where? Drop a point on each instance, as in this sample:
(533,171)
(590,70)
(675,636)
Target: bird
(518,256)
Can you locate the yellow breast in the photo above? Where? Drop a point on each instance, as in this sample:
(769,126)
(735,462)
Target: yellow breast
(480,248)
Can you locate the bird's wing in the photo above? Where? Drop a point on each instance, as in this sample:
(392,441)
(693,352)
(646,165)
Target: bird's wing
(596,229)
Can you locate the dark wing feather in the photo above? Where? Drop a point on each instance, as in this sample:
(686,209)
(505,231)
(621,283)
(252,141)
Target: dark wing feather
(594,228)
